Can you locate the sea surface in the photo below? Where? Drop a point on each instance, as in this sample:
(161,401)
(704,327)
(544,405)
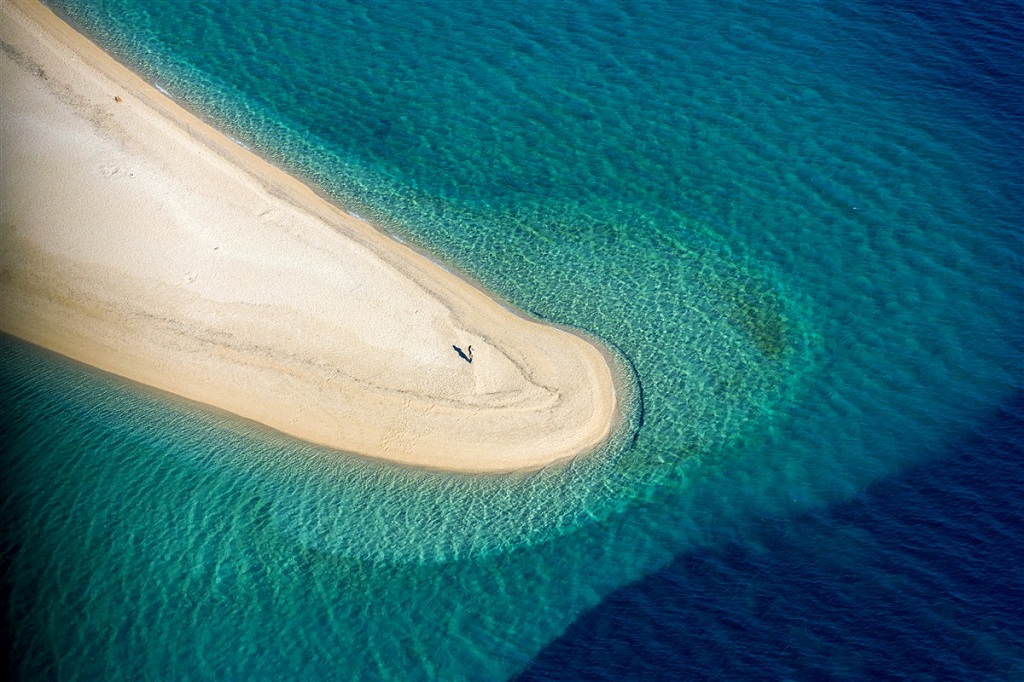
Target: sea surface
(797,224)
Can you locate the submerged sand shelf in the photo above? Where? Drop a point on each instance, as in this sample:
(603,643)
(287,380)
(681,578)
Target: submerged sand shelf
(139,240)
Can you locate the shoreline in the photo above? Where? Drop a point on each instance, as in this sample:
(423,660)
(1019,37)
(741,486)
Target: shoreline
(141,240)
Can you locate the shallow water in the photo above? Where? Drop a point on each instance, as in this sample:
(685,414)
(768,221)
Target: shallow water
(798,225)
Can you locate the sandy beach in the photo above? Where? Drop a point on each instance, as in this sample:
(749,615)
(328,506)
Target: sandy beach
(139,240)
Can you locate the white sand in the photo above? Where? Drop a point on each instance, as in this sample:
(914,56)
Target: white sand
(139,240)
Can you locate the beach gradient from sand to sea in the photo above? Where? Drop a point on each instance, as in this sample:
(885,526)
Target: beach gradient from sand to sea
(137,239)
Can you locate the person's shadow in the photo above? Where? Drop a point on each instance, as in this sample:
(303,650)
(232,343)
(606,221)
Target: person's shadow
(462,355)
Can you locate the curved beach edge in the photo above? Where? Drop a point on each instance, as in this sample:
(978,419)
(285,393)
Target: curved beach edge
(142,241)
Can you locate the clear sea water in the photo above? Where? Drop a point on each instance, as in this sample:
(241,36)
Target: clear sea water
(800,226)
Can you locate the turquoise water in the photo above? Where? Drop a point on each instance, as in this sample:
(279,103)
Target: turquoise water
(798,225)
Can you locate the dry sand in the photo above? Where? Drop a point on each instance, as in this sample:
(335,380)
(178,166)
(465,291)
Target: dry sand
(137,239)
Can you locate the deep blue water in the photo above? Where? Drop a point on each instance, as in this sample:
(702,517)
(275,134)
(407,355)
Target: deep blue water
(799,224)
(916,577)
